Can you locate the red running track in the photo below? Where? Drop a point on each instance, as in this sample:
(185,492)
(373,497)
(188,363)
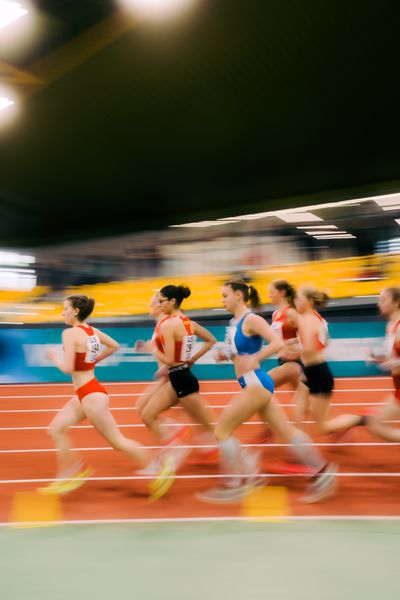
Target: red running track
(369,479)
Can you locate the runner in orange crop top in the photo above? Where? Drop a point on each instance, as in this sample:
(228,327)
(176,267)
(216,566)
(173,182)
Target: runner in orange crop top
(389,307)
(166,429)
(174,349)
(290,368)
(82,346)
(314,338)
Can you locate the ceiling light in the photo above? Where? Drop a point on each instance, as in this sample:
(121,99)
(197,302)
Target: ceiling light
(204,223)
(156,9)
(5,102)
(384,200)
(387,200)
(317,227)
(322,232)
(10,12)
(334,237)
(394,207)
(298,217)
(251,216)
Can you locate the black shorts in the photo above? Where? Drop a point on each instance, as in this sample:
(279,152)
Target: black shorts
(319,379)
(283,361)
(183,381)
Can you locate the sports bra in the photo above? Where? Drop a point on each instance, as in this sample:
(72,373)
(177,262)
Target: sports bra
(322,337)
(238,343)
(281,326)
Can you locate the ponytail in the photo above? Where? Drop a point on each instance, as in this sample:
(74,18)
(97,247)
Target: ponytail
(254,297)
(177,292)
(284,286)
(250,294)
(395,293)
(318,298)
(84,304)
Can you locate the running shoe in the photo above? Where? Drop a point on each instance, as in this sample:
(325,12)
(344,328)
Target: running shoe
(323,487)
(164,479)
(225,494)
(64,486)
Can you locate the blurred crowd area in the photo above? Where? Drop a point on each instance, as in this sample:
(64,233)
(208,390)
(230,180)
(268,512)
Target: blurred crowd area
(122,273)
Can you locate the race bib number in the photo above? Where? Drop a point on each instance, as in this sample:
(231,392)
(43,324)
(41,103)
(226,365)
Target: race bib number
(230,346)
(93,349)
(188,343)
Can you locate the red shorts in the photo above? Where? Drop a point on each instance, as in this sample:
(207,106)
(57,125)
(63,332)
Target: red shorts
(90,387)
(396,381)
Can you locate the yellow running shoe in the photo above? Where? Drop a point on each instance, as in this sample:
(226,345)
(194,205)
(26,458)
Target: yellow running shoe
(160,485)
(64,486)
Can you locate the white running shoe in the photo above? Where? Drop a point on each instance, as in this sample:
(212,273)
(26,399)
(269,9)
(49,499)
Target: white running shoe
(225,494)
(323,487)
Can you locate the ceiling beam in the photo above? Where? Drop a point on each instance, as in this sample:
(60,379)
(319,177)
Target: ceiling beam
(83,47)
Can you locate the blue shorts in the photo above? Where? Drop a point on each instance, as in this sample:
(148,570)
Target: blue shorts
(257,377)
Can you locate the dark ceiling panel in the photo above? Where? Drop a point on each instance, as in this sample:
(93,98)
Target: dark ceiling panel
(234,108)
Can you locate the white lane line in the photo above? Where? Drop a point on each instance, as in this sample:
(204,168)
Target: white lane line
(53,410)
(191,477)
(128,425)
(139,425)
(231,393)
(146,382)
(107,448)
(261,520)
(171,520)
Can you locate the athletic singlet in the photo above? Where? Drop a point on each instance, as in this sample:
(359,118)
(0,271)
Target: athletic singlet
(281,326)
(156,331)
(391,346)
(238,343)
(85,361)
(322,337)
(184,347)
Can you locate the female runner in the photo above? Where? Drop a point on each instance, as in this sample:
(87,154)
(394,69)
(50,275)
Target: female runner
(244,339)
(389,306)
(173,348)
(314,337)
(82,351)
(165,429)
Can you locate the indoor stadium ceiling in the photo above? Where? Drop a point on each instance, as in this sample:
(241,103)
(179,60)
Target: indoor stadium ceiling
(238,106)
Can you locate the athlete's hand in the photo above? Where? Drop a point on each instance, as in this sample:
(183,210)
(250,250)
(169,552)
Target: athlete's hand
(220,356)
(51,355)
(375,358)
(142,346)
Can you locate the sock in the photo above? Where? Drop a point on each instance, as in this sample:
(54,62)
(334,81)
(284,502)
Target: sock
(307,452)
(231,461)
